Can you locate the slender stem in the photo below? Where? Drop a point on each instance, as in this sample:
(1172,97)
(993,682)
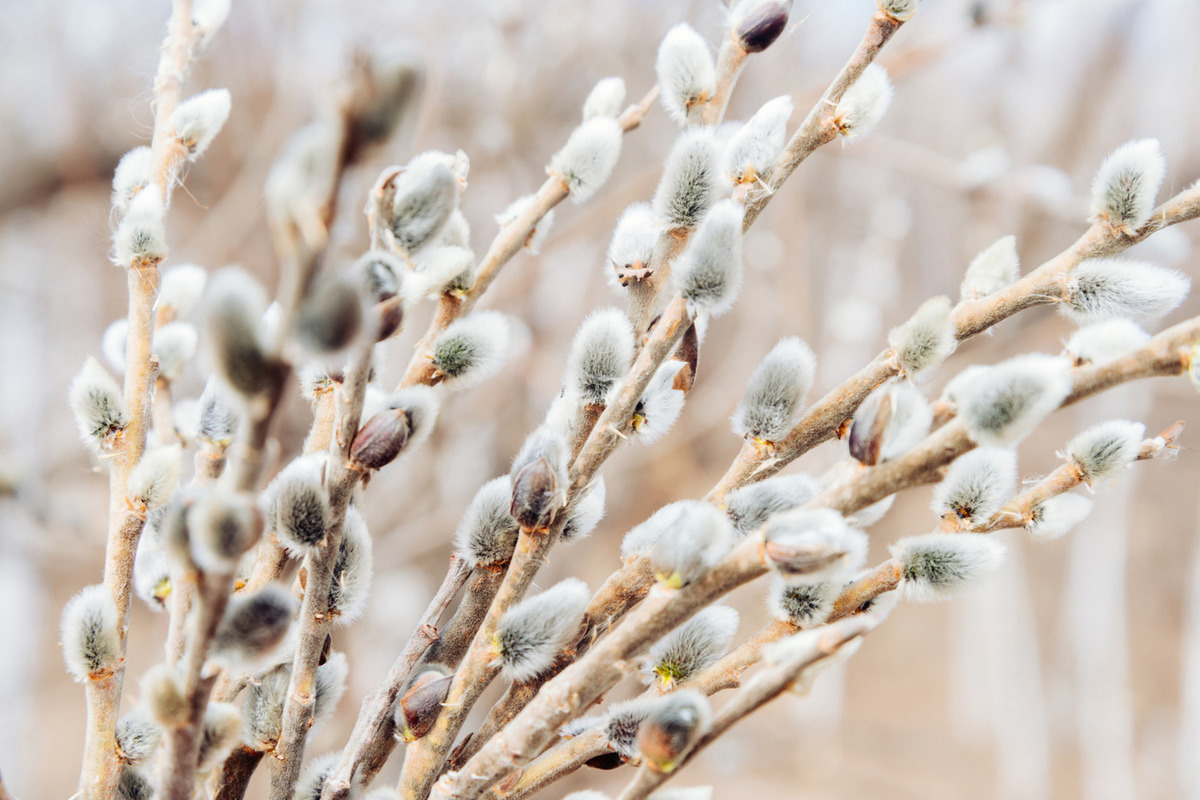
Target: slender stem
(730,60)
(645,294)
(236,773)
(555,764)
(373,737)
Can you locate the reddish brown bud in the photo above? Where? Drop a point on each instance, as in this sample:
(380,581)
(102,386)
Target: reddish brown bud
(535,496)
(760,27)
(867,434)
(379,441)
(420,705)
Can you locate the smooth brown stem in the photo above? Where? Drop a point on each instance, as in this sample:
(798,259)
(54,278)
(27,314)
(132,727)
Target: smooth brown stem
(236,773)
(730,60)
(164,424)
(645,294)
(373,738)
(884,578)
(555,764)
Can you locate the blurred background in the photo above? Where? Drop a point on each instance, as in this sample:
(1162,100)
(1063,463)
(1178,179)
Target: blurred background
(1074,673)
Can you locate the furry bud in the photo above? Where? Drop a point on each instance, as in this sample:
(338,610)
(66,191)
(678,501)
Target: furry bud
(541,229)
(687,75)
(470,349)
(976,485)
(937,566)
(539,478)
(694,537)
(253,627)
(330,317)
(1057,515)
(587,159)
(690,648)
(90,643)
(927,339)
(135,171)
(222,527)
(112,343)
(632,245)
(755,25)
(419,706)
(302,513)
(174,346)
(864,103)
(154,478)
(622,722)
(180,289)
(235,309)
(140,239)
(809,545)
(750,506)
(774,397)
(1126,184)
(805,605)
(995,268)
(216,417)
(605,99)
(900,10)
(532,633)
(601,354)
(709,273)
(660,405)
(151,572)
(672,728)
(197,120)
(690,182)
(1104,288)
(488,533)
(1001,404)
(753,149)
(220,732)
(586,515)
(137,736)
(163,697)
(263,707)
(351,571)
(1104,450)
(99,406)
(132,784)
(208,16)
(889,423)
(426,196)
(1103,342)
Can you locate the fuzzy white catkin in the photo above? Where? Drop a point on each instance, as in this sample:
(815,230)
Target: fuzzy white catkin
(471,349)
(537,236)
(151,573)
(216,418)
(632,245)
(298,505)
(1057,515)
(197,120)
(802,604)
(140,238)
(488,533)
(750,506)
(774,396)
(220,732)
(993,269)
(976,484)
(209,15)
(926,339)
(174,345)
(98,404)
(426,196)
(531,634)
(180,288)
(694,538)
(690,182)
(137,736)
(1103,342)
(600,355)
(864,103)
(622,722)
(90,644)
(660,405)
(694,645)
(1126,184)
(753,149)
(163,697)
(902,10)
(605,99)
(1103,451)
(587,159)
(1104,288)
(235,306)
(253,626)
(829,548)
(910,418)
(156,475)
(1003,403)
(134,172)
(687,76)
(586,515)
(222,526)
(352,571)
(937,566)
(709,273)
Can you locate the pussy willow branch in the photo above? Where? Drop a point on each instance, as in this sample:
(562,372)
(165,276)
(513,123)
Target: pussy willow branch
(101,768)
(1042,286)
(818,127)
(600,669)
(555,764)
(506,244)
(731,58)
(764,687)
(372,740)
(315,619)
